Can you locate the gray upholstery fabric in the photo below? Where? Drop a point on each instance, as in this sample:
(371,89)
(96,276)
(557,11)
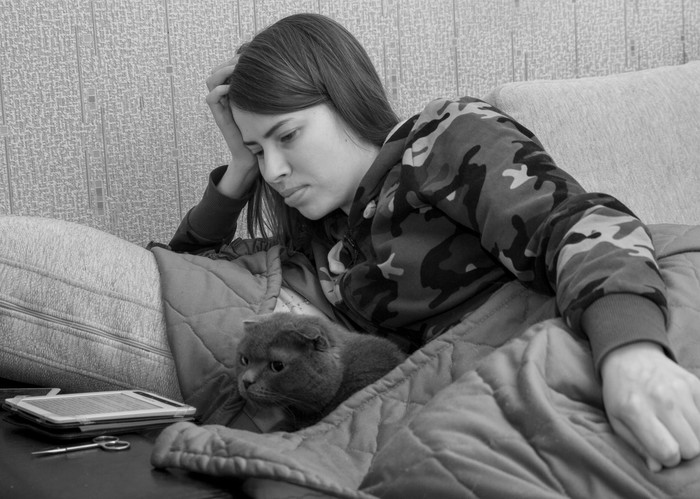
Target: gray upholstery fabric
(633,135)
(80,309)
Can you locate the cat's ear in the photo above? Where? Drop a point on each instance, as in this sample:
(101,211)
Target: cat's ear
(321,343)
(251,320)
(314,335)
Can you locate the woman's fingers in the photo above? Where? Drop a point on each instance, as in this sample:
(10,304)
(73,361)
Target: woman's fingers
(665,439)
(218,102)
(219,77)
(652,403)
(683,420)
(644,431)
(220,73)
(215,96)
(230,63)
(628,436)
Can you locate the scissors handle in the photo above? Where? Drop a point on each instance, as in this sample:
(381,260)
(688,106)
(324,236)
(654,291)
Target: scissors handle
(115,445)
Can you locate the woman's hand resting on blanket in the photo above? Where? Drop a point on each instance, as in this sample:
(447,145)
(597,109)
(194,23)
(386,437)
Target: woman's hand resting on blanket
(652,403)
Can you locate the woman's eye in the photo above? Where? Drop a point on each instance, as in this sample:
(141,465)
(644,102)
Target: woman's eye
(276,366)
(244,360)
(288,136)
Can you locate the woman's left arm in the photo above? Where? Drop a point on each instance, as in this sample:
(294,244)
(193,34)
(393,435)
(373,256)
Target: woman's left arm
(592,252)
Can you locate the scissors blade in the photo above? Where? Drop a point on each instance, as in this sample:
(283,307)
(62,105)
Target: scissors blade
(61,450)
(57,450)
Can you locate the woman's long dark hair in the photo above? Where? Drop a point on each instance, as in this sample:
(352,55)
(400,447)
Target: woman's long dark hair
(298,62)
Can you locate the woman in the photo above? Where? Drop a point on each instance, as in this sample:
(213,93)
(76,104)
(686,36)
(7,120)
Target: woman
(402,228)
(413,224)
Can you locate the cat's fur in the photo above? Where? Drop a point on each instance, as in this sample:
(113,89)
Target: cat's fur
(307,365)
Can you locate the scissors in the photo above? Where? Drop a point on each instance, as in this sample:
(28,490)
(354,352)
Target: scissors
(105,442)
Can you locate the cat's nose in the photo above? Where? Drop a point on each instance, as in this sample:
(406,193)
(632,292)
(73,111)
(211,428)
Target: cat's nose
(246,383)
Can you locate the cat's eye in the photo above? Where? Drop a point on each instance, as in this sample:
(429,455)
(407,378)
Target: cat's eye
(244,360)
(276,366)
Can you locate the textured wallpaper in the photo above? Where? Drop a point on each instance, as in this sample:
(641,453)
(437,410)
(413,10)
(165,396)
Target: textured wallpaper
(102,113)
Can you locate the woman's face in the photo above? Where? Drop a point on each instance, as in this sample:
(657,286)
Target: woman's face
(310,157)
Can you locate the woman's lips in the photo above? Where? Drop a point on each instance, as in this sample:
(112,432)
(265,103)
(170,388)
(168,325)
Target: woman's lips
(292,194)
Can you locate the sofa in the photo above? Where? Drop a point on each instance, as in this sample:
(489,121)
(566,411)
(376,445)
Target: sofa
(473,414)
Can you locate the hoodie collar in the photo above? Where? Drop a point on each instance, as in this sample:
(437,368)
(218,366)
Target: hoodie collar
(389,155)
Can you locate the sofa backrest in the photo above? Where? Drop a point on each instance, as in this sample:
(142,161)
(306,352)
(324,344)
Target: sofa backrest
(633,135)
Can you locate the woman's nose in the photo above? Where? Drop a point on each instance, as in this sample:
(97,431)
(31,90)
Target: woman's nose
(273,166)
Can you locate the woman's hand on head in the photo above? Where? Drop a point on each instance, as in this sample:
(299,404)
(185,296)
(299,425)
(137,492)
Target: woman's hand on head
(243,169)
(652,403)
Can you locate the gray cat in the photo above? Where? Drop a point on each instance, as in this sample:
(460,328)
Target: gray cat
(307,365)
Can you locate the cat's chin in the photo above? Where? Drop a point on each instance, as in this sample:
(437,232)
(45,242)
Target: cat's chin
(271,418)
(256,402)
(261,402)
(271,403)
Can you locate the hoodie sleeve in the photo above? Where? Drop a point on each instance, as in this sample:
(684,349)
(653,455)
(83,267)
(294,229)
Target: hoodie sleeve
(492,175)
(210,223)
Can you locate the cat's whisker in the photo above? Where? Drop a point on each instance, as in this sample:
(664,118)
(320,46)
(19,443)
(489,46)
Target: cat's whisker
(282,400)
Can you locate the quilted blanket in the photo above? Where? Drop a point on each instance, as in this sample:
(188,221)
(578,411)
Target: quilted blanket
(504,405)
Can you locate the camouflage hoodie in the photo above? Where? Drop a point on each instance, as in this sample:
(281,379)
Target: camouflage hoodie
(460,200)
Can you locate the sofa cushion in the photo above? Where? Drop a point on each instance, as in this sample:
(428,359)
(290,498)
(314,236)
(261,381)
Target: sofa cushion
(634,135)
(80,310)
